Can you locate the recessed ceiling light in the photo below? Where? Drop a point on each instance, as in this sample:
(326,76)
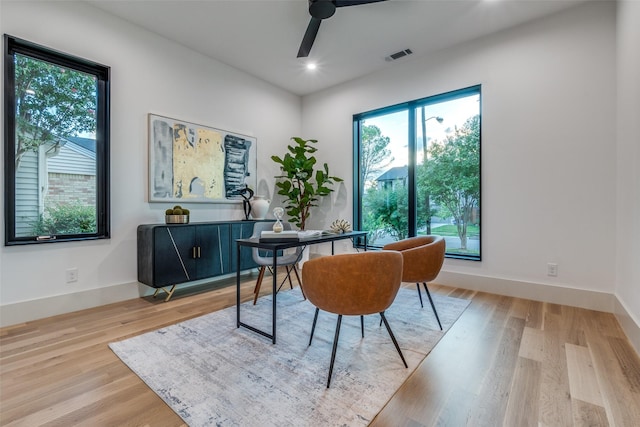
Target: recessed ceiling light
(311,66)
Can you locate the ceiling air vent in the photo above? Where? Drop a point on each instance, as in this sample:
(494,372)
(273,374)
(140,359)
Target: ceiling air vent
(398,55)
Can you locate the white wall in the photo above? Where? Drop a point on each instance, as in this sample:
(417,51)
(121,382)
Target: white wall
(548,148)
(149,75)
(628,184)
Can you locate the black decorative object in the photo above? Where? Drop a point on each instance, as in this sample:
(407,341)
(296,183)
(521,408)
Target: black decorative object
(246,205)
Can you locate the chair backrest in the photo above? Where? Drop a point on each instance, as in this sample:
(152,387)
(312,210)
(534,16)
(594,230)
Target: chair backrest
(262,257)
(423,257)
(353,284)
(260,226)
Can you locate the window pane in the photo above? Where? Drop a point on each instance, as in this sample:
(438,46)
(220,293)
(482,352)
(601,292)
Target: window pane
(384,160)
(418,171)
(55,151)
(448,172)
(57,140)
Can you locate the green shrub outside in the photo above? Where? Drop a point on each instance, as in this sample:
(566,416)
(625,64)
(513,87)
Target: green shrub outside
(66,219)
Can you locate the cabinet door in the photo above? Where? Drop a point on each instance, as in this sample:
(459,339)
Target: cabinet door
(173,255)
(242,230)
(213,253)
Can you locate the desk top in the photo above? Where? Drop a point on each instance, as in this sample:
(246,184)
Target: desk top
(256,243)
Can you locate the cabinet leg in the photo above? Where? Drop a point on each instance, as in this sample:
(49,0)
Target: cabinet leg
(168,292)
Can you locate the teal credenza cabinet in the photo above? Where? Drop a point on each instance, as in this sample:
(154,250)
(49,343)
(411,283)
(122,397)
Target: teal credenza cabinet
(171,254)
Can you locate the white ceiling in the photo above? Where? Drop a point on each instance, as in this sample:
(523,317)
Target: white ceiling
(262,37)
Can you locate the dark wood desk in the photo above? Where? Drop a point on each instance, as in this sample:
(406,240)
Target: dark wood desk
(274,247)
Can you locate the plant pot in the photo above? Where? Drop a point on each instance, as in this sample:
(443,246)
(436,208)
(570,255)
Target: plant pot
(176,219)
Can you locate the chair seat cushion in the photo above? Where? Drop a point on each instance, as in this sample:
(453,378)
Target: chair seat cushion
(286,259)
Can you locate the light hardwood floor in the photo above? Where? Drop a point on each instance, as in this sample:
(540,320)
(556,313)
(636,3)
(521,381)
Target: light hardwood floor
(505,362)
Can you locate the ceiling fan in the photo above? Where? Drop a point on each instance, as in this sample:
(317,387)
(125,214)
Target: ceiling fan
(319,10)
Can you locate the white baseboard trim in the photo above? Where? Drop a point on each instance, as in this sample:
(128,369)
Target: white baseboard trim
(24,311)
(630,327)
(592,300)
(582,298)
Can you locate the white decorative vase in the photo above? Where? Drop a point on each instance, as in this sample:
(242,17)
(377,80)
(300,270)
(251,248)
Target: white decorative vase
(259,207)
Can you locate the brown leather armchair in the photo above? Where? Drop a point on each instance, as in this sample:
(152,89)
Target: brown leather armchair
(353,284)
(423,258)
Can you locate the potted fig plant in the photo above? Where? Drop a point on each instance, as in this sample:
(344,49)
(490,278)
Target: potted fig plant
(300,182)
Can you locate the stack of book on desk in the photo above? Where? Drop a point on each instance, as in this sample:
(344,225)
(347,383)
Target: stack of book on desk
(281,237)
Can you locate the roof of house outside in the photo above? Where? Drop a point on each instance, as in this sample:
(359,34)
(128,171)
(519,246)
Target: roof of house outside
(398,172)
(86,143)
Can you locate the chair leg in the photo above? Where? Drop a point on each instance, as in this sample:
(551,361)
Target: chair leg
(393,338)
(260,275)
(419,294)
(256,290)
(289,276)
(362,325)
(432,305)
(335,347)
(295,270)
(313,327)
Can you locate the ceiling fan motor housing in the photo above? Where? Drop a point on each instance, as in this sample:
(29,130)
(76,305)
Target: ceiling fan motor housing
(322,9)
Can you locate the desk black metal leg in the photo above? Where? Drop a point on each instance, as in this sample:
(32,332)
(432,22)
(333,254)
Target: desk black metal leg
(275,280)
(354,240)
(238,286)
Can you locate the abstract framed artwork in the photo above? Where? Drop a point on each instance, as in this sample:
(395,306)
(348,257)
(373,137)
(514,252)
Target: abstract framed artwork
(193,163)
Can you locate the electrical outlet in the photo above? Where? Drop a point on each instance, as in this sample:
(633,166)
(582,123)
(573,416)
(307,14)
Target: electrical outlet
(72,275)
(552,269)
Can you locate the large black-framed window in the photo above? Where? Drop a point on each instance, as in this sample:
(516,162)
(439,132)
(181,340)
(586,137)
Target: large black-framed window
(417,171)
(56,142)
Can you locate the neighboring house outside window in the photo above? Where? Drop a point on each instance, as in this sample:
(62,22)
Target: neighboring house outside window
(393,178)
(71,173)
(59,174)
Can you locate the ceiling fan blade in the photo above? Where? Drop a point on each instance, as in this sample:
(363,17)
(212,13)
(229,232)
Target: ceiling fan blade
(343,3)
(309,37)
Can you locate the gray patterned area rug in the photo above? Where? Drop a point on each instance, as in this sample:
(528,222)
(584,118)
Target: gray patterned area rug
(214,374)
